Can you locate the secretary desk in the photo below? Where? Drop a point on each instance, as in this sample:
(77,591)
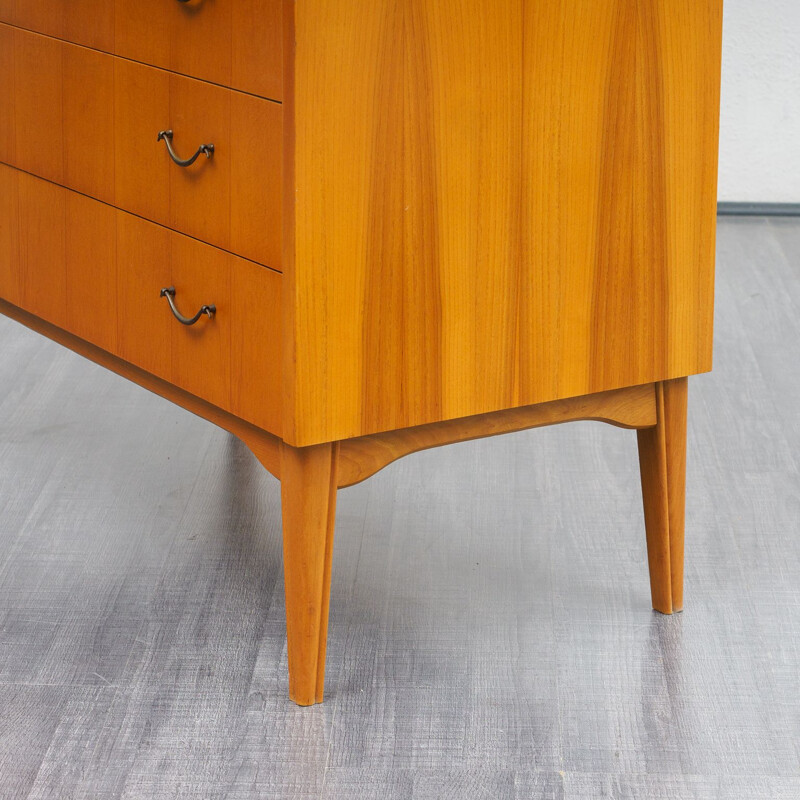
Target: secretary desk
(347,230)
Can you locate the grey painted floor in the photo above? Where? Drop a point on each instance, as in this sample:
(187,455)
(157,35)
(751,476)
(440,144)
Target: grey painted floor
(490,636)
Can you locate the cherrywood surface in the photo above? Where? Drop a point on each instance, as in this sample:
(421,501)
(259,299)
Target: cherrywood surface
(626,408)
(202,353)
(9,236)
(86,22)
(8,134)
(256,182)
(662,463)
(41,270)
(200,195)
(289,342)
(257,48)
(91,267)
(41,15)
(37,104)
(141,181)
(308,507)
(200,39)
(90,121)
(497,204)
(143,268)
(256,365)
(234,43)
(97,271)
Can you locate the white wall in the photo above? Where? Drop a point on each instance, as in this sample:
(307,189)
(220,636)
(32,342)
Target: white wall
(760,121)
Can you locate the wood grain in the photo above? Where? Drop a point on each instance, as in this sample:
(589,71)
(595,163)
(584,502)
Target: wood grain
(497,204)
(91,265)
(200,37)
(690,49)
(9,235)
(88,22)
(308,500)
(201,354)
(143,269)
(38,120)
(626,408)
(200,195)
(289,296)
(256,179)
(89,121)
(85,22)
(42,249)
(57,105)
(142,166)
(257,51)
(662,462)
(98,271)
(8,132)
(229,42)
(43,16)
(135,35)
(256,381)
(214,41)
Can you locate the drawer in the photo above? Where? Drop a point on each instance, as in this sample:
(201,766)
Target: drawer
(236,43)
(90,122)
(98,272)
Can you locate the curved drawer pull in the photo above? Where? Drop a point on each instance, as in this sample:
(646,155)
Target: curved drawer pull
(204,149)
(169,293)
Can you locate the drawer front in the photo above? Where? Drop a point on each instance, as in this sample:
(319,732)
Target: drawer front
(236,43)
(98,272)
(90,122)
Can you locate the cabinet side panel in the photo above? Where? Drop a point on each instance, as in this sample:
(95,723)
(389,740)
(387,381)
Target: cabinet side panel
(289,384)
(343,73)
(689,44)
(495,203)
(577,212)
(407,211)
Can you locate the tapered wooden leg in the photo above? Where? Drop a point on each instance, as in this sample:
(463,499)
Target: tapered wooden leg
(662,461)
(308,498)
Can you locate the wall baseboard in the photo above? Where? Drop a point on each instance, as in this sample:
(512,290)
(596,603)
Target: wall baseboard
(758,209)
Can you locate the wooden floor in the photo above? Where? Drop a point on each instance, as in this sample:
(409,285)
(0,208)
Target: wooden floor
(490,632)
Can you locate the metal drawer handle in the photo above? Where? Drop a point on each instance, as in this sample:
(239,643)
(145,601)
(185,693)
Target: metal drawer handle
(204,149)
(169,293)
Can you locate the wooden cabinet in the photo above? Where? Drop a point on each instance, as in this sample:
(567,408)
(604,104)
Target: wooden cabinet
(421,222)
